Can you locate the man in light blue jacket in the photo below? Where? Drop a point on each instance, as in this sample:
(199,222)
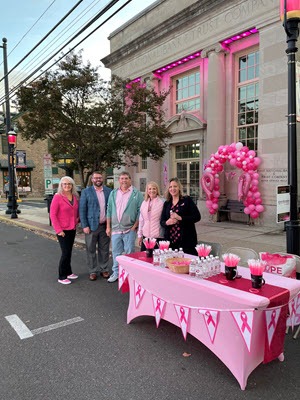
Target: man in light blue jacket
(92,211)
(123,211)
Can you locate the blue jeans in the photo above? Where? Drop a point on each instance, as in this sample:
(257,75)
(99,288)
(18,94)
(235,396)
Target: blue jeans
(122,243)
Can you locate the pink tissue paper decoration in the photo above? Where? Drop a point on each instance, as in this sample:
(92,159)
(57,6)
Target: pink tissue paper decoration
(203,250)
(149,243)
(231,260)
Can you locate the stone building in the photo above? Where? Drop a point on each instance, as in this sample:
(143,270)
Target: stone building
(226,64)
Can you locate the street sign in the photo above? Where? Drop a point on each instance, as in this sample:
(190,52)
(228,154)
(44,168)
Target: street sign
(283,203)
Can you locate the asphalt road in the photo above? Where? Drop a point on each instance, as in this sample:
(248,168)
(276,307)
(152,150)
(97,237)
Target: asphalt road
(97,355)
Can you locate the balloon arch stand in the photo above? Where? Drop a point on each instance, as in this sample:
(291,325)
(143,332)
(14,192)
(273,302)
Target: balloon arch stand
(241,157)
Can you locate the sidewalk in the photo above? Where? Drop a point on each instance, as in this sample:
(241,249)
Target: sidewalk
(257,237)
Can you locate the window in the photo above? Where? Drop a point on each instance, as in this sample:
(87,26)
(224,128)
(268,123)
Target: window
(247,99)
(144,163)
(187,168)
(188,92)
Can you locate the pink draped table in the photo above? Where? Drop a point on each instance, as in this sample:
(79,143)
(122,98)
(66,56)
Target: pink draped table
(242,328)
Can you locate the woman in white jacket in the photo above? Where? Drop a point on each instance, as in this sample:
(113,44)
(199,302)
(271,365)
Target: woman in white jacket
(150,213)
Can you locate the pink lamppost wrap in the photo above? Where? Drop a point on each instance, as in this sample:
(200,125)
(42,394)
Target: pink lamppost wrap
(292,9)
(241,157)
(203,250)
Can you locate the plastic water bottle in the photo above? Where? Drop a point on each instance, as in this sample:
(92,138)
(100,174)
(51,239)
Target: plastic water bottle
(156,254)
(192,268)
(181,253)
(199,270)
(162,259)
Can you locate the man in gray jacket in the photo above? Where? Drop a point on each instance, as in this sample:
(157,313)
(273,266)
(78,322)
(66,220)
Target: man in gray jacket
(92,211)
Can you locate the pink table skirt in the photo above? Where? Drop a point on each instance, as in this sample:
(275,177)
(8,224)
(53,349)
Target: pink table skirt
(231,322)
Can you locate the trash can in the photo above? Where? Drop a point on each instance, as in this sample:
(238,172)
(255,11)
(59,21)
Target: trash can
(48,199)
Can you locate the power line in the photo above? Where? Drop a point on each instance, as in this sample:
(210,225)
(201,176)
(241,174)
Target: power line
(103,11)
(30,28)
(44,38)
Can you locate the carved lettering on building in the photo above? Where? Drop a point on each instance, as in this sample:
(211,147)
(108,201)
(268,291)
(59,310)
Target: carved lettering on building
(274,176)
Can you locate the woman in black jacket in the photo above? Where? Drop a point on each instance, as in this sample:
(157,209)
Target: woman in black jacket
(178,217)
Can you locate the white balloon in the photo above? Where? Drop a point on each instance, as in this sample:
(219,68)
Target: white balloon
(239,145)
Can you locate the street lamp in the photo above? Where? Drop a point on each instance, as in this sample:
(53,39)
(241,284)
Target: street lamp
(290,14)
(12,205)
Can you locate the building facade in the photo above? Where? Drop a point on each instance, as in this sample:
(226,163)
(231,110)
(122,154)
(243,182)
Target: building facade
(226,65)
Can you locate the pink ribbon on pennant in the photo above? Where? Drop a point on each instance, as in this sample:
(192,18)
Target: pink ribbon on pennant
(138,292)
(182,317)
(245,325)
(157,308)
(122,275)
(273,320)
(210,318)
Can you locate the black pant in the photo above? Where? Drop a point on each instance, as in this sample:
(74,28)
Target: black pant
(66,244)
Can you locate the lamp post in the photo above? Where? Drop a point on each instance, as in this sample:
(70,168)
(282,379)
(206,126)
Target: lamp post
(11,140)
(290,14)
(12,205)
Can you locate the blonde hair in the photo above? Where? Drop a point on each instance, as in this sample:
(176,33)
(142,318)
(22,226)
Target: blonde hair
(168,195)
(146,197)
(69,180)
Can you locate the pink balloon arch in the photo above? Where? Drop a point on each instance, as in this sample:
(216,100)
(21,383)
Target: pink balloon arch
(241,157)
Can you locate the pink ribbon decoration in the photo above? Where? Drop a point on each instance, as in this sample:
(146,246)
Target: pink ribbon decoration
(271,317)
(138,292)
(207,184)
(244,320)
(245,325)
(183,316)
(122,277)
(211,322)
(243,185)
(158,305)
(292,311)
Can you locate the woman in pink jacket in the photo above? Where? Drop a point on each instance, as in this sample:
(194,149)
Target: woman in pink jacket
(150,213)
(64,218)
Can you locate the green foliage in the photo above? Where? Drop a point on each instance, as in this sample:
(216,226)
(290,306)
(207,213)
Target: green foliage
(98,124)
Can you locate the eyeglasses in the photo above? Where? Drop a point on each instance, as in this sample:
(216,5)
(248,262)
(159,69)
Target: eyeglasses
(67,184)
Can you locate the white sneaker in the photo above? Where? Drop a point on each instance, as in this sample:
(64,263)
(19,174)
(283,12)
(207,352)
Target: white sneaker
(113,278)
(72,276)
(64,281)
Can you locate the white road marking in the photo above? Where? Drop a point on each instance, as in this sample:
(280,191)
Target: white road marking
(57,325)
(18,325)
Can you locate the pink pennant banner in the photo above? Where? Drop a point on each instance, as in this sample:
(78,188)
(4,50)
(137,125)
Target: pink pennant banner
(292,312)
(244,321)
(123,274)
(211,321)
(158,305)
(138,293)
(271,322)
(183,316)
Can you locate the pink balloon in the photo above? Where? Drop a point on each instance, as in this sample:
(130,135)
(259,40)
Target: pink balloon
(257,161)
(212,211)
(217,187)
(256,195)
(251,207)
(208,203)
(217,181)
(216,193)
(255,175)
(215,200)
(245,149)
(254,182)
(260,208)
(258,201)
(215,206)
(251,153)
(254,189)
(254,214)
(233,161)
(247,210)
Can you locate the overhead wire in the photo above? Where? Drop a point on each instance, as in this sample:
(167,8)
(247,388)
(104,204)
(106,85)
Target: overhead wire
(31,64)
(97,16)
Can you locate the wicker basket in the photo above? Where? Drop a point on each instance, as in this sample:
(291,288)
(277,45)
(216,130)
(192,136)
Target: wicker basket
(175,265)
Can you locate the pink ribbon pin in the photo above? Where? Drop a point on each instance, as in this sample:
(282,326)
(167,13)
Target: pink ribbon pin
(158,306)
(138,293)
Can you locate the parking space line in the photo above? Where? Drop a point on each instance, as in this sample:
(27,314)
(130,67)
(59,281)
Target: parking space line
(57,325)
(18,325)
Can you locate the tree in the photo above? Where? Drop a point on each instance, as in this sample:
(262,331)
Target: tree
(98,124)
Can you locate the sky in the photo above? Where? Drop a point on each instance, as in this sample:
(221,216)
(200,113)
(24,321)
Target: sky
(25,22)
